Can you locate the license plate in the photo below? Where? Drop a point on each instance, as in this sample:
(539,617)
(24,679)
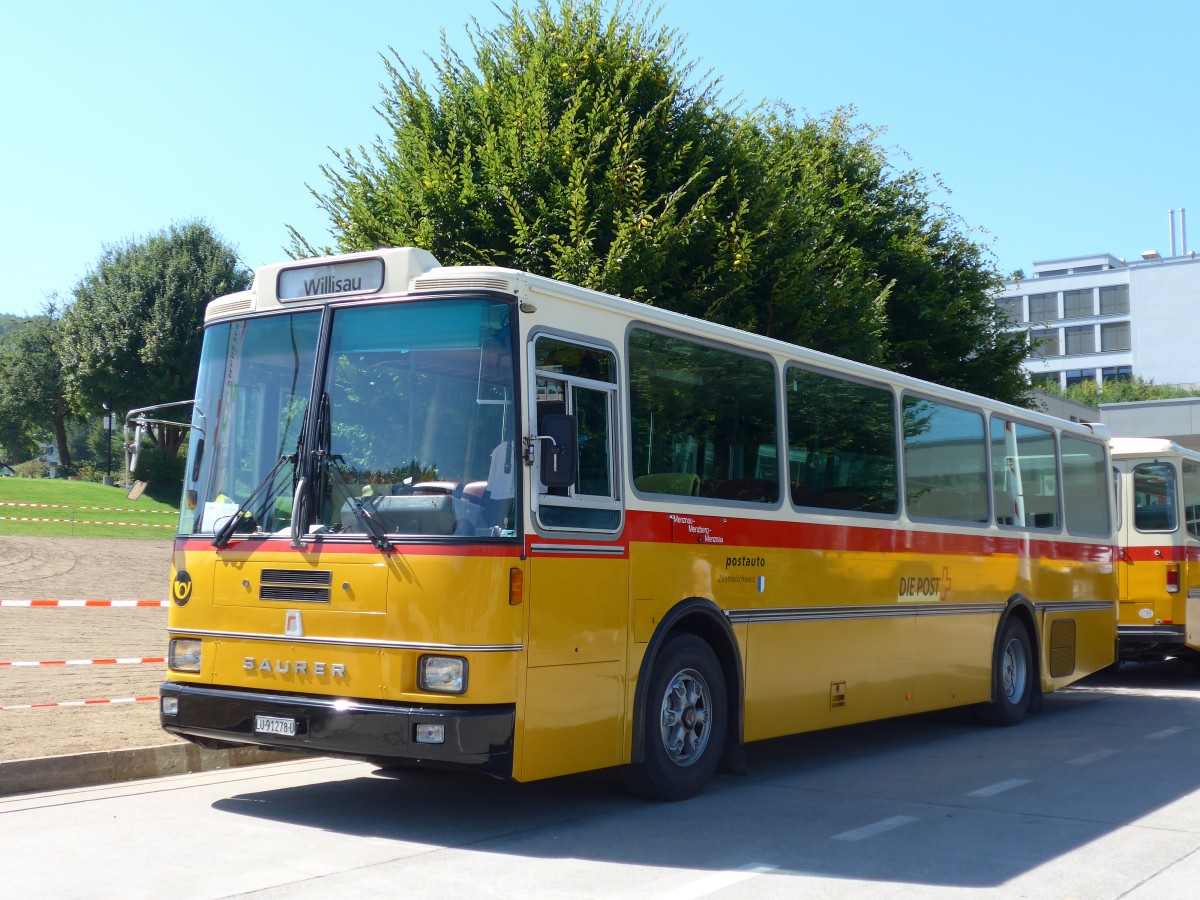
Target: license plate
(275,725)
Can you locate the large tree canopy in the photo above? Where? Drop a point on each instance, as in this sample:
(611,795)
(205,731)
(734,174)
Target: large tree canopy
(582,145)
(32,387)
(132,337)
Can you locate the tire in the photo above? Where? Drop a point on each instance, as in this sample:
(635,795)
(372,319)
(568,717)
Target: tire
(1012,677)
(686,718)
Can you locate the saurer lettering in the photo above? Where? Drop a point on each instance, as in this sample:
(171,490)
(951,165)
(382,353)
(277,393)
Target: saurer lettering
(294,667)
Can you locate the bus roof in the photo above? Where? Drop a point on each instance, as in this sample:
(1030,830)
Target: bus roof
(1128,446)
(401,270)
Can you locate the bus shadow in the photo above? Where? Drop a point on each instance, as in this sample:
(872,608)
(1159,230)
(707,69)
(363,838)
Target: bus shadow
(1100,757)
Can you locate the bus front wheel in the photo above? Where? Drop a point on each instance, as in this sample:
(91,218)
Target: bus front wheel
(687,715)
(1012,677)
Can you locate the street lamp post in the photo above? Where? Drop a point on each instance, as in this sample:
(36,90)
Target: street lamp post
(108,424)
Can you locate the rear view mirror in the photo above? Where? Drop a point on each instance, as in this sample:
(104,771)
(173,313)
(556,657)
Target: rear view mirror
(199,459)
(138,421)
(133,447)
(559,450)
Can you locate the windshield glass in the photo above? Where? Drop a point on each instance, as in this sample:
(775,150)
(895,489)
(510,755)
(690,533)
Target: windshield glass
(418,421)
(251,394)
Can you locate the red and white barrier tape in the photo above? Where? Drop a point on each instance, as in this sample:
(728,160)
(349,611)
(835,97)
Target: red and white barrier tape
(148,512)
(83,522)
(63,603)
(78,703)
(115,661)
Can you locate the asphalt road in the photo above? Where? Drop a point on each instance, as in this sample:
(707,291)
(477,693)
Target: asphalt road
(1096,797)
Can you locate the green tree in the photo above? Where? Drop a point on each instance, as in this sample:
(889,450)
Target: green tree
(132,336)
(584,145)
(1123,390)
(33,396)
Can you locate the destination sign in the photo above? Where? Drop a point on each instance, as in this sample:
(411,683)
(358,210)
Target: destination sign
(355,276)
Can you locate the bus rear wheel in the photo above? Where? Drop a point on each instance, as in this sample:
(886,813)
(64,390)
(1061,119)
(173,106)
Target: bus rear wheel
(1012,677)
(687,716)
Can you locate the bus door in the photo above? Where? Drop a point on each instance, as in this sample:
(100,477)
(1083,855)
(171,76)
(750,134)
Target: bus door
(578,569)
(1150,540)
(1189,576)
(1123,485)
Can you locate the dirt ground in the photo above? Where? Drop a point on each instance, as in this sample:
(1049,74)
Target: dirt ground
(40,568)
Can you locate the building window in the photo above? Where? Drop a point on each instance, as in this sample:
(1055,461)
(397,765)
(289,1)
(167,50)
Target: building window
(1012,308)
(1043,342)
(1114,336)
(1081,339)
(1048,272)
(1117,373)
(1114,300)
(1045,381)
(1079,270)
(1077,304)
(1077,376)
(1043,307)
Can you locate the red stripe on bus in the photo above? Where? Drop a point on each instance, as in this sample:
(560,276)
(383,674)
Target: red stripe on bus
(715,531)
(1161,553)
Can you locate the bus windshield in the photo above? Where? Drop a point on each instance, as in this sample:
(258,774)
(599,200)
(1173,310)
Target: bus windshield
(251,395)
(417,421)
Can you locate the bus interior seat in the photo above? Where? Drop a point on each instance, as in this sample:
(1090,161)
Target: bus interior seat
(682,484)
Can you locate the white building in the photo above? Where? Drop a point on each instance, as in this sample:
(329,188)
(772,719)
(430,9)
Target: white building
(1099,317)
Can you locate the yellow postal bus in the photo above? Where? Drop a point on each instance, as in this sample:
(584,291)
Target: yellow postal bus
(1159,538)
(470,516)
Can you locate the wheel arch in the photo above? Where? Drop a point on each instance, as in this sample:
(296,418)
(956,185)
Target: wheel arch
(1021,608)
(704,619)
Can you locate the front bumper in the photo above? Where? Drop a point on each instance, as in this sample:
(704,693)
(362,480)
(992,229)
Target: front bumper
(475,737)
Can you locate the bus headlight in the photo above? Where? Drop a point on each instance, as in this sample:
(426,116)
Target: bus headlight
(183,655)
(442,674)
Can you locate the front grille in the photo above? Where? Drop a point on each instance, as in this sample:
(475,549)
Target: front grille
(296,585)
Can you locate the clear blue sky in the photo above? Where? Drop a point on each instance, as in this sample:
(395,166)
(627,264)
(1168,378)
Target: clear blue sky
(1058,128)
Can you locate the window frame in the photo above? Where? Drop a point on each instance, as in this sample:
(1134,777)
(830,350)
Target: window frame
(1055,438)
(985,472)
(1173,497)
(1077,335)
(1119,328)
(1113,291)
(1050,297)
(777,412)
(897,441)
(574,500)
(1075,295)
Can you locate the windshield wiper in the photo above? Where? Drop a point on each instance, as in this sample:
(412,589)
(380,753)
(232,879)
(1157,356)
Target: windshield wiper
(225,532)
(366,518)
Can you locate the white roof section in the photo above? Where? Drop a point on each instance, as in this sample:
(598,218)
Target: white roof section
(404,270)
(1089,262)
(315,281)
(1126,447)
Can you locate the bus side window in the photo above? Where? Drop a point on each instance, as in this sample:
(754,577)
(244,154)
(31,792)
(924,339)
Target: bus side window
(1154,497)
(576,385)
(1191,497)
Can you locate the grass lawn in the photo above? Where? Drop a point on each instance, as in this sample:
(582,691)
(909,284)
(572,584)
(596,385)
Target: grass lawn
(69,501)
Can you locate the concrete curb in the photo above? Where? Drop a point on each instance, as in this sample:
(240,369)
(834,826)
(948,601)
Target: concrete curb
(54,773)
